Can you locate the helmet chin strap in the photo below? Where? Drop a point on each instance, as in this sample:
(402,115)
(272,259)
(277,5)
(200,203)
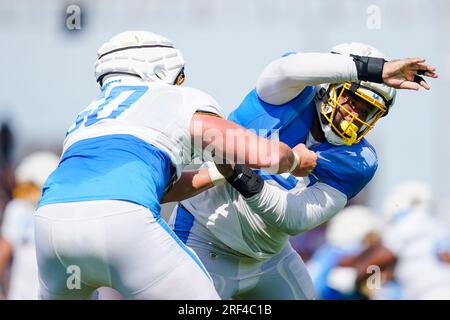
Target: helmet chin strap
(351,130)
(331,136)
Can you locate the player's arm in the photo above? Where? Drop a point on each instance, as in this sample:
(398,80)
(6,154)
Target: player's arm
(190,184)
(352,270)
(9,234)
(231,143)
(378,255)
(283,79)
(193,182)
(6,252)
(291,213)
(297,213)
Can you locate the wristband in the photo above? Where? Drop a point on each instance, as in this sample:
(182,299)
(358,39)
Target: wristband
(245,181)
(369,68)
(295,163)
(216,177)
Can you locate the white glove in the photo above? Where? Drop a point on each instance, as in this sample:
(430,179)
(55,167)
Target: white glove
(342,279)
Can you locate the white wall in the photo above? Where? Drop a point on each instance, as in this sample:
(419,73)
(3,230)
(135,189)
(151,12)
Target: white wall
(47,72)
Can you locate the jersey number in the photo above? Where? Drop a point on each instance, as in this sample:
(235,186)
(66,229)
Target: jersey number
(90,117)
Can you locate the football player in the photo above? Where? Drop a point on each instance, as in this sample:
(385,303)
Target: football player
(17,232)
(327,101)
(416,242)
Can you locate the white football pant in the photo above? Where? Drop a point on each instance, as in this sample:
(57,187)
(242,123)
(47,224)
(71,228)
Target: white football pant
(283,277)
(82,246)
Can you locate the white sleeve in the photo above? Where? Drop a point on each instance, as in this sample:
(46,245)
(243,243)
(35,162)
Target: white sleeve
(297,213)
(201,101)
(283,79)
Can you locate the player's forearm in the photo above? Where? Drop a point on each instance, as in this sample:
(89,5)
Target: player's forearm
(378,256)
(232,143)
(285,78)
(297,213)
(259,153)
(190,184)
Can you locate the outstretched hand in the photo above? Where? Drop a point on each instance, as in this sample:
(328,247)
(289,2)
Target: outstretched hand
(407,73)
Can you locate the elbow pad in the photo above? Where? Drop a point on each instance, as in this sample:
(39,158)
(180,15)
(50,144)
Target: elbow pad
(245,181)
(369,68)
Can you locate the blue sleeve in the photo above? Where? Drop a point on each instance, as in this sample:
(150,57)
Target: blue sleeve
(347,169)
(254,113)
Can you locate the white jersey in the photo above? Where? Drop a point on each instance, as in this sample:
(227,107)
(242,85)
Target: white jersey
(245,226)
(18,230)
(100,208)
(415,238)
(128,144)
(157,113)
(223,213)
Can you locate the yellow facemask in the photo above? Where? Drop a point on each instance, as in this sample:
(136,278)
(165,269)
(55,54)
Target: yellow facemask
(348,129)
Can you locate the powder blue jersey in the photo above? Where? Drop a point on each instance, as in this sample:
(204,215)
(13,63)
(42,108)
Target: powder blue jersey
(345,168)
(222,217)
(128,144)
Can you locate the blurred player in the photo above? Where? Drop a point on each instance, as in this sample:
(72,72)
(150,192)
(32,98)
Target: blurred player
(17,232)
(351,232)
(98,222)
(416,241)
(328,101)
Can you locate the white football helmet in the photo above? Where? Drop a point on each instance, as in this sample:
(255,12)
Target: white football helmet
(146,55)
(36,167)
(350,226)
(408,196)
(379,95)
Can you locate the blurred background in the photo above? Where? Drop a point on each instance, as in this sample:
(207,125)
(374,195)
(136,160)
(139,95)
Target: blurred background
(49,50)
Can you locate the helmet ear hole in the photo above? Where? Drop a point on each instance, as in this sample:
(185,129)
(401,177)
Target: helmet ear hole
(160,72)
